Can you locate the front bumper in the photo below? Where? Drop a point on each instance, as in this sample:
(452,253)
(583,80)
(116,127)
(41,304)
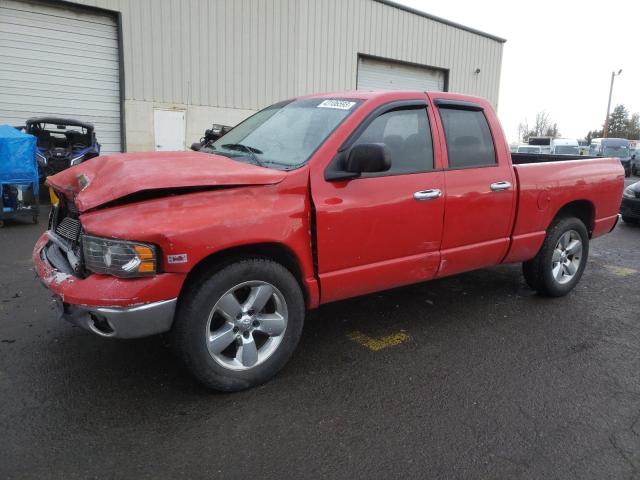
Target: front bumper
(133,322)
(630,207)
(111,306)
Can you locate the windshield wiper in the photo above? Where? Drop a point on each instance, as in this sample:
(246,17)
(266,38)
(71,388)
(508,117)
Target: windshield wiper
(250,150)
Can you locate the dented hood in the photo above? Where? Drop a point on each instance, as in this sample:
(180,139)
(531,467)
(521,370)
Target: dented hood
(111,177)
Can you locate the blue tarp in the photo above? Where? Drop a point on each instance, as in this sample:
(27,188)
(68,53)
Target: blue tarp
(18,163)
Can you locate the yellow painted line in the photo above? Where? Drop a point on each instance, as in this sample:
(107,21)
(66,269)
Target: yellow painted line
(621,271)
(376,344)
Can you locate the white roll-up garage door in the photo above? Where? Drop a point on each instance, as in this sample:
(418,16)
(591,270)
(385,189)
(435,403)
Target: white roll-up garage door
(62,62)
(377,74)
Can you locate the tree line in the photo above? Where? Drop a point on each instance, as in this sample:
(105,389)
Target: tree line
(622,124)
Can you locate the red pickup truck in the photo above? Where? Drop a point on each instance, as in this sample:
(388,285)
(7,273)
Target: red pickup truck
(308,201)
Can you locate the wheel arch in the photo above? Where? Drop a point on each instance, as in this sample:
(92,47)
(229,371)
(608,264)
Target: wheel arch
(581,209)
(277,252)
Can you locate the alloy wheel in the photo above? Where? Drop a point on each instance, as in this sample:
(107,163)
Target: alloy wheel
(567,257)
(246,325)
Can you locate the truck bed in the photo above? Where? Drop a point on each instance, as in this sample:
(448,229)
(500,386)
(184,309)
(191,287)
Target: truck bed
(544,187)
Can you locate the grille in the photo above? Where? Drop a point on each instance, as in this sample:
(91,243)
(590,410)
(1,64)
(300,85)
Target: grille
(69,228)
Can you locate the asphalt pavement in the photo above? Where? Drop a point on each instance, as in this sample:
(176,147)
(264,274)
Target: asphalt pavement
(466,377)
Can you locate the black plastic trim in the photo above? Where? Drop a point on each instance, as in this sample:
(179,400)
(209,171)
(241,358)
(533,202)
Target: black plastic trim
(458,104)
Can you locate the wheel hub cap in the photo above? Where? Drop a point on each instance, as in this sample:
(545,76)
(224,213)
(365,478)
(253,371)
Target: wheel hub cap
(567,257)
(246,325)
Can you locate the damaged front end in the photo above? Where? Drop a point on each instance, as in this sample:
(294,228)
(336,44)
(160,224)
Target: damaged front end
(101,301)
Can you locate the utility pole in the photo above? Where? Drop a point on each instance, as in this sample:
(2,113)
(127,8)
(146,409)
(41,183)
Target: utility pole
(606,120)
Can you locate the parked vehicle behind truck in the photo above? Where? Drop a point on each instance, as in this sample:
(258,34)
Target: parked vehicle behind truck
(61,143)
(565,146)
(613,147)
(309,201)
(543,142)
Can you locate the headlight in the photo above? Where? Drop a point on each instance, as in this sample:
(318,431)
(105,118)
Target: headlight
(118,257)
(76,160)
(42,160)
(628,193)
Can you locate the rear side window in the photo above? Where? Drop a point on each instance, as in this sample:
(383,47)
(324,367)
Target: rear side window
(469,142)
(407,134)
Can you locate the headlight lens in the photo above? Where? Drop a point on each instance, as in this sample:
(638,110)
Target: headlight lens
(628,193)
(118,257)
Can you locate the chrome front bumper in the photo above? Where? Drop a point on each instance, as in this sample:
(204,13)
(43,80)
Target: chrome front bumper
(126,322)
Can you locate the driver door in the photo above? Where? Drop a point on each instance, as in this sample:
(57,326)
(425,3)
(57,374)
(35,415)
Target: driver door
(383,230)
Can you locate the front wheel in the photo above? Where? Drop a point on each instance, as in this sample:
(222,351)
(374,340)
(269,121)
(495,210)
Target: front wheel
(558,266)
(237,327)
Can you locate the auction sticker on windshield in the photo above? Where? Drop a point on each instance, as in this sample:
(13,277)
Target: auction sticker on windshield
(337,104)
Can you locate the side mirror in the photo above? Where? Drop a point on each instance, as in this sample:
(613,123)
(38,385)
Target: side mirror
(359,159)
(368,158)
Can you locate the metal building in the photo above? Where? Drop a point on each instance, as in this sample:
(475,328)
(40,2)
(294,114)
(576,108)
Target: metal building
(153,74)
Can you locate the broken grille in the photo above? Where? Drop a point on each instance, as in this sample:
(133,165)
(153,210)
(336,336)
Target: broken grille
(69,228)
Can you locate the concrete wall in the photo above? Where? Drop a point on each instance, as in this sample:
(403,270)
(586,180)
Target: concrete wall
(221,60)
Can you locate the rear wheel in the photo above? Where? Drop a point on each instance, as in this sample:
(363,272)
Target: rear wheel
(558,266)
(237,327)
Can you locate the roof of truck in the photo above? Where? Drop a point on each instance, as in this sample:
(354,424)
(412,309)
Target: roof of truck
(370,94)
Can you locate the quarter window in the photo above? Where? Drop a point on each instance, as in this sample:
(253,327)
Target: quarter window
(469,142)
(407,134)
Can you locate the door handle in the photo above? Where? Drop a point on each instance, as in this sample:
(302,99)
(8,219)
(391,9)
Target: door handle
(499,186)
(427,194)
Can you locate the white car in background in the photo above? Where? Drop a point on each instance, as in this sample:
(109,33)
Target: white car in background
(529,149)
(565,146)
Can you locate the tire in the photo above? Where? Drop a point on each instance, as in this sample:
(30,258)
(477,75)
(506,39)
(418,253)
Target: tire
(548,273)
(218,309)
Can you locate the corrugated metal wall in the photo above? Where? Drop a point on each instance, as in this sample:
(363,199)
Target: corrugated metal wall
(246,54)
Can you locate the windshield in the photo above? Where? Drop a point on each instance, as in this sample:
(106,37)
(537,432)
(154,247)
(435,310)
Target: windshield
(284,135)
(619,151)
(567,150)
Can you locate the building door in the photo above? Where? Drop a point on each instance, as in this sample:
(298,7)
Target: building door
(169,127)
(60,61)
(380,74)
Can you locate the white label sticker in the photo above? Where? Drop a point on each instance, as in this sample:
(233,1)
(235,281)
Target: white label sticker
(337,104)
(178,258)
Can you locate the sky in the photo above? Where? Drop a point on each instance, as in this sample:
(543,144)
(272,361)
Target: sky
(558,57)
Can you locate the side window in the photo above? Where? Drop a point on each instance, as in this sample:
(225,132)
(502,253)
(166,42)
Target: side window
(408,136)
(469,142)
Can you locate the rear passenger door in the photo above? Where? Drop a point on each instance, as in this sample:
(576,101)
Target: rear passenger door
(480,188)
